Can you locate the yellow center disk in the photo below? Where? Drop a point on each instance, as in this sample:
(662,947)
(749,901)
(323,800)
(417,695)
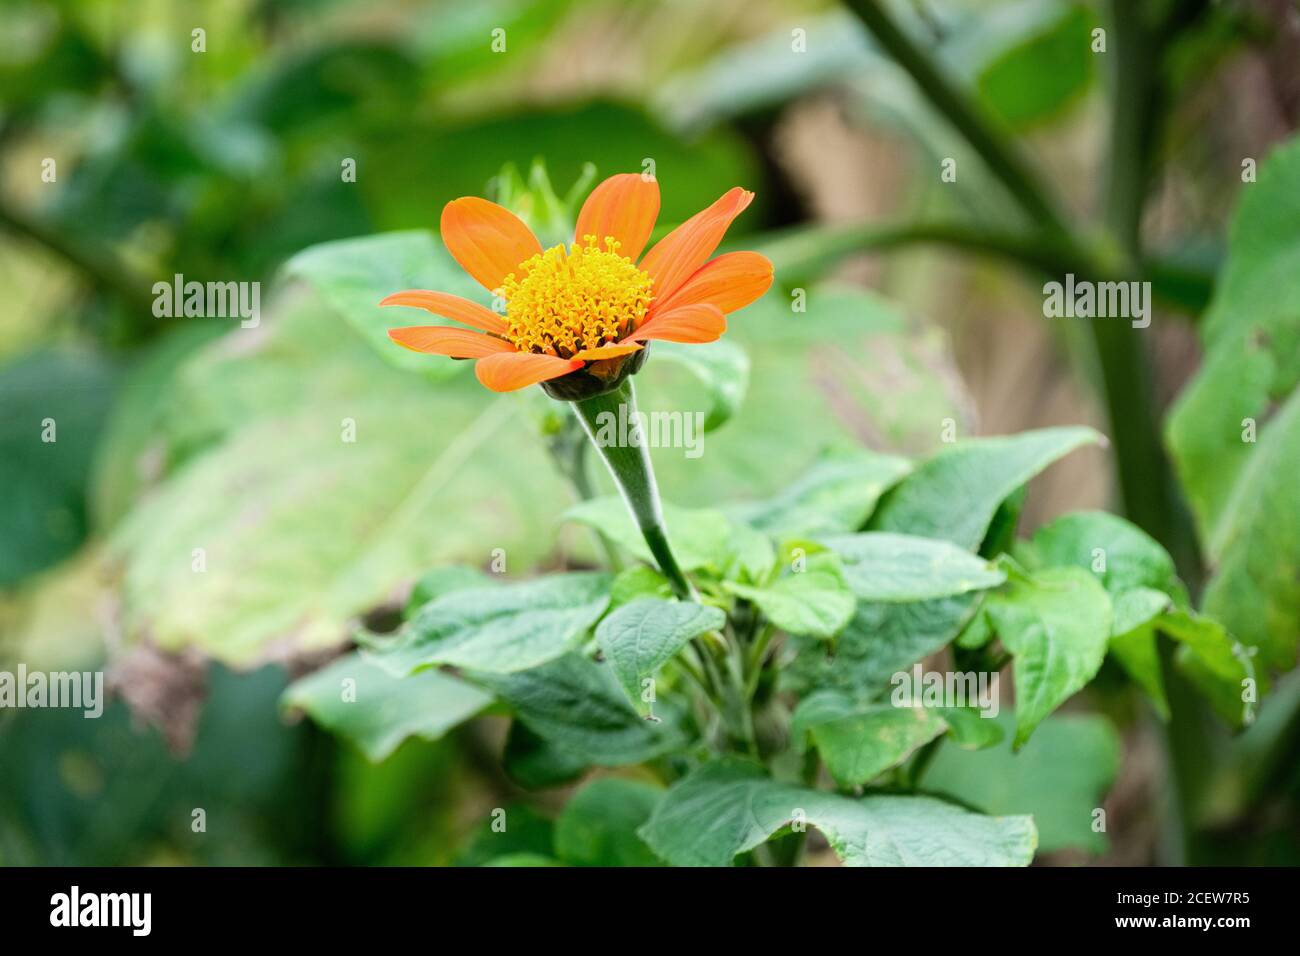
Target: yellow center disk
(577,299)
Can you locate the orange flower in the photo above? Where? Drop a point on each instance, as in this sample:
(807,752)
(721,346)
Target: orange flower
(591,305)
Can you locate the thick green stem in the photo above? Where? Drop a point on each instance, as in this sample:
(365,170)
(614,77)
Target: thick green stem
(1140,43)
(1146,481)
(1185,736)
(1001,156)
(628,458)
(804,253)
(1147,486)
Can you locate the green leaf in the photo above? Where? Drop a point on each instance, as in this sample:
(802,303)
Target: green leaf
(1056,626)
(753,556)
(578,705)
(765,71)
(129,457)
(300,88)
(1028,61)
(1034,58)
(1060,777)
(1255,589)
(526,860)
(859,742)
(503,628)
(448,41)
(922,831)
(700,537)
(1002,529)
(1132,609)
(1133,641)
(525,832)
(1214,662)
(64,59)
(1120,554)
(977,633)
(535,763)
(81,792)
(1243,491)
(882,566)
(815,601)
(1136,571)
(436,582)
(728,806)
(54,408)
(836,495)
(1140,576)
(301,529)
(46,624)
(879,641)
(355,698)
(636,582)
(970,729)
(954,495)
(640,637)
(722,367)
(599,825)
(354,275)
(1138,652)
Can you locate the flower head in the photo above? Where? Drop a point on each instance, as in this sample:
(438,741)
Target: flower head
(581,311)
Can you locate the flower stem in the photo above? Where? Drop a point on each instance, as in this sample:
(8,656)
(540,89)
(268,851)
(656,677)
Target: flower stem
(628,459)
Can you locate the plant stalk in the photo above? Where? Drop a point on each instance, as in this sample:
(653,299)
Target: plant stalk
(804,253)
(1146,481)
(1147,485)
(1001,156)
(629,464)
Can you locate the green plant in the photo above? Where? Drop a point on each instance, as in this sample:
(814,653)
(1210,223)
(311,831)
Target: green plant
(320,469)
(805,608)
(760,664)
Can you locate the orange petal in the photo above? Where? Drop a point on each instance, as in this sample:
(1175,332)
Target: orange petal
(506,373)
(625,207)
(487,240)
(730,282)
(445,340)
(607,351)
(690,323)
(449,306)
(677,255)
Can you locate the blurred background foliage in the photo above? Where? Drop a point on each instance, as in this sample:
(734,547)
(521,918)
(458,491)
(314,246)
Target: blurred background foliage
(177,433)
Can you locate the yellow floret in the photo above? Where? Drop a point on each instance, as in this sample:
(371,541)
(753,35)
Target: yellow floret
(570,300)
